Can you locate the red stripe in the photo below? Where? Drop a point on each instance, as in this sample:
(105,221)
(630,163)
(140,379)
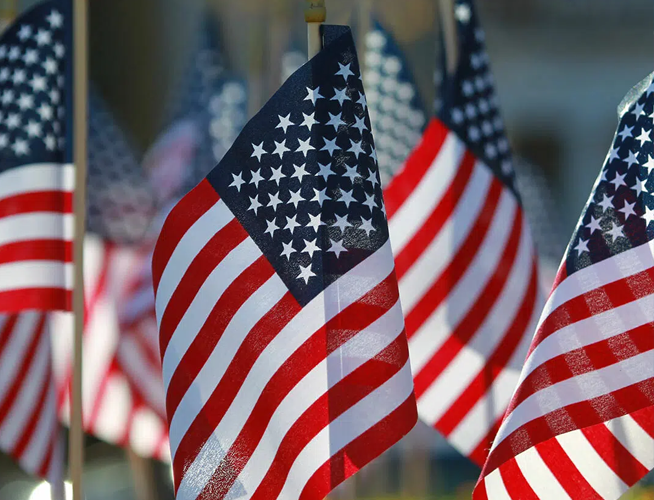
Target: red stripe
(346,325)
(41,201)
(203,264)
(614,454)
(496,363)
(7,330)
(361,451)
(417,165)
(434,223)
(48,457)
(645,419)
(55,250)
(479,492)
(515,483)
(240,290)
(458,265)
(190,208)
(475,316)
(44,299)
(480,453)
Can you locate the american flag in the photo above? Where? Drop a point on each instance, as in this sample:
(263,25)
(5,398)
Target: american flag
(36,177)
(284,355)
(464,257)
(581,422)
(397,115)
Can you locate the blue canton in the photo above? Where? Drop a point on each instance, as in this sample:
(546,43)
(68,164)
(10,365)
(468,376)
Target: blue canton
(620,210)
(302,177)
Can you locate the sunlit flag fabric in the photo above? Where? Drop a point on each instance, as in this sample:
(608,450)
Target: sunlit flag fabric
(581,422)
(36,177)
(398,118)
(464,257)
(284,355)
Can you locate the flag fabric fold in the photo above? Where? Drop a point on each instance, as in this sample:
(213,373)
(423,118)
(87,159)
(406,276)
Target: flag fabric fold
(283,349)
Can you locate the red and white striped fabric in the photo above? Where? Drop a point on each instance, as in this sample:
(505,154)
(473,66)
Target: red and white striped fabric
(29,425)
(115,410)
(468,283)
(36,231)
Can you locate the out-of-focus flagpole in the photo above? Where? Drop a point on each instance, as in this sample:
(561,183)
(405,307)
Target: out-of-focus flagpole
(364,18)
(315,14)
(80,105)
(450,38)
(8,11)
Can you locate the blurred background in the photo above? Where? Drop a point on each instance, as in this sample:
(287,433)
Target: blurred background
(561,69)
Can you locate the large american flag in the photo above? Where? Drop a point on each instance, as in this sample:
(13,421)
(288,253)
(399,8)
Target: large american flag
(581,422)
(36,177)
(464,256)
(284,354)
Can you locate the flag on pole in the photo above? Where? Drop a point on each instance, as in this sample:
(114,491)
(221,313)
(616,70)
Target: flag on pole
(581,421)
(464,256)
(36,174)
(284,355)
(397,115)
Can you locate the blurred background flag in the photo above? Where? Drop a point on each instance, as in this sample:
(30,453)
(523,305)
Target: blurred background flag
(464,256)
(284,354)
(581,422)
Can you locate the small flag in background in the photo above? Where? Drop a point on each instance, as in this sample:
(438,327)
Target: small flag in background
(464,257)
(397,116)
(581,422)
(284,355)
(36,177)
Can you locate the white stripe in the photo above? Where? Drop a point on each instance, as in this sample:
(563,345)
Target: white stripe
(145,432)
(428,338)
(248,315)
(495,488)
(135,363)
(426,195)
(346,428)
(37,177)
(36,226)
(193,241)
(580,388)
(140,303)
(632,436)
(229,269)
(114,410)
(15,350)
(539,476)
(438,254)
(334,299)
(367,344)
(44,432)
(36,274)
(474,355)
(591,466)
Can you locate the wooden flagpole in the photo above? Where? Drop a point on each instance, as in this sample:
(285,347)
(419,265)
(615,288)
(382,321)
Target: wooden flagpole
(448,25)
(80,131)
(364,15)
(315,14)
(8,12)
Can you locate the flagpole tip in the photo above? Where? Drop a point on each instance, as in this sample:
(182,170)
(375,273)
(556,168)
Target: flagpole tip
(315,11)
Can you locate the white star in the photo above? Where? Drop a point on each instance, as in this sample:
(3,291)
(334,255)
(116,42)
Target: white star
(13,121)
(330,146)
(50,142)
(237,182)
(360,123)
(372,177)
(288,250)
(309,121)
(335,121)
(280,148)
(254,204)
(337,248)
(467,88)
(618,181)
(296,198)
(648,215)
(20,147)
(258,151)
(582,246)
(649,164)
(43,37)
(315,222)
(55,19)
(351,173)
(313,95)
(347,198)
(356,148)
(277,175)
(640,187)
(594,225)
(25,101)
(4,141)
(340,96)
(304,147)
(38,83)
(616,231)
(325,171)
(272,227)
(362,100)
(50,66)
(292,223)
(14,53)
(306,273)
(59,50)
(341,222)
(24,33)
(285,122)
(613,155)
(631,159)
(644,137)
(33,129)
(19,77)
(256,178)
(370,201)
(320,196)
(462,13)
(638,110)
(606,203)
(344,71)
(7,97)
(300,172)
(4,74)
(473,133)
(627,210)
(310,247)
(366,225)
(373,154)
(274,201)
(626,132)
